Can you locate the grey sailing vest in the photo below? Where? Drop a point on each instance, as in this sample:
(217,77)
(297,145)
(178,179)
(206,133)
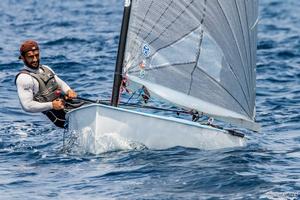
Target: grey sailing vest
(47,84)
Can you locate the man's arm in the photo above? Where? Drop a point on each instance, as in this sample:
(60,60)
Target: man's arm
(25,87)
(70,94)
(63,85)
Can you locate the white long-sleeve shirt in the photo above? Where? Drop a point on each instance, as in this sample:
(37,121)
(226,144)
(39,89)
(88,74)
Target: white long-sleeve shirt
(27,87)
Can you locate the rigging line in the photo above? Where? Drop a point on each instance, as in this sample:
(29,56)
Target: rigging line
(154,108)
(236,46)
(163,66)
(131,96)
(199,49)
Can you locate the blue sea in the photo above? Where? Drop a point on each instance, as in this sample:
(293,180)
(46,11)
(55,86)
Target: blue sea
(79,40)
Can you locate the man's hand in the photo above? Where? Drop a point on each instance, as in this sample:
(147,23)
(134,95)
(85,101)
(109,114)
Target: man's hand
(58,104)
(71,94)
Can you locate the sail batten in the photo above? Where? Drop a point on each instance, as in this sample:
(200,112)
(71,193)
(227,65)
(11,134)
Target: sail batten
(204,49)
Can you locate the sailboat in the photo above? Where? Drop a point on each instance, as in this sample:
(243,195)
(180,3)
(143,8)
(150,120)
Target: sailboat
(199,55)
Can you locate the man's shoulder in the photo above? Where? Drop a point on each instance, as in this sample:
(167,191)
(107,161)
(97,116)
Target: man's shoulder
(49,68)
(23,78)
(23,74)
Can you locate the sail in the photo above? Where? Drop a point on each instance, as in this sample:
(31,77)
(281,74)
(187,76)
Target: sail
(200,54)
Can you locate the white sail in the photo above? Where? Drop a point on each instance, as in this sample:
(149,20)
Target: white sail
(199,54)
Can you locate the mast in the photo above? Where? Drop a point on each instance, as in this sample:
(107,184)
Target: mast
(120,56)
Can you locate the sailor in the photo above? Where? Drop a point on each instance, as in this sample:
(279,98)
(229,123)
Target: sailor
(39,88)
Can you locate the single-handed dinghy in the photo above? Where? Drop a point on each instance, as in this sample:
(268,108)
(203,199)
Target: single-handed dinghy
(198,54)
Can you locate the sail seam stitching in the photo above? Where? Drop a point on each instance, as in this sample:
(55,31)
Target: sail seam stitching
(152,28)
(251,56)
(183,11)
(200,44)
(163,66)
(224,89)
(238,52)
(235,44)
(240,21)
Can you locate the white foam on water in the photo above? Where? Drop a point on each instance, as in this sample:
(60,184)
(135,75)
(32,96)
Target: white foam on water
(22,134)
(89,142)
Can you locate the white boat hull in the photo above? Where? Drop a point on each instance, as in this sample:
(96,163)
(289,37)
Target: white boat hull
(94,121)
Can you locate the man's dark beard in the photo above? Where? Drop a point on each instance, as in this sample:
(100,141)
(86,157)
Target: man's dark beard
(30,66)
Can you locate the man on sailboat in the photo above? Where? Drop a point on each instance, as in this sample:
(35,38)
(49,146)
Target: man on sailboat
(39,88)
